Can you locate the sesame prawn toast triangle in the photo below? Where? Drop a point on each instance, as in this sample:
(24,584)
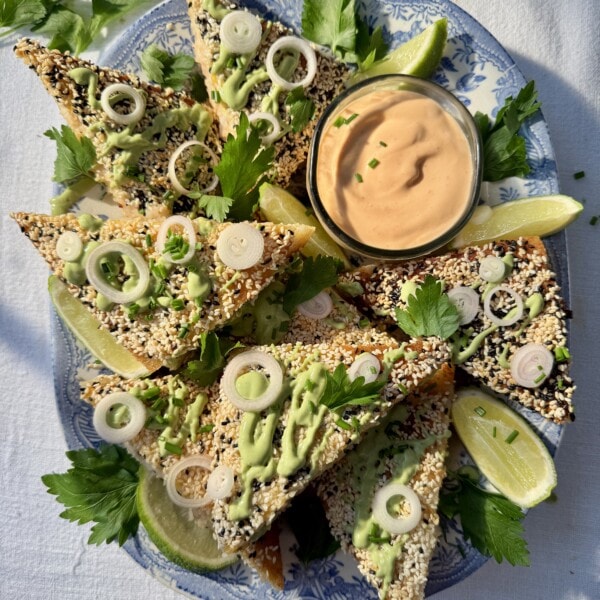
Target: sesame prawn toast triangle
(277,452)
(222,78)
(132,160)
(181,301)
(482,348)
(407,448)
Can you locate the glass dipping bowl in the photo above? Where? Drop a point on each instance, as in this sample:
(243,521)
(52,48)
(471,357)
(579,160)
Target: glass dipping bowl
(453,107)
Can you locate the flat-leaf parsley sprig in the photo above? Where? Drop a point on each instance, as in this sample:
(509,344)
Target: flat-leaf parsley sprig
(101,487)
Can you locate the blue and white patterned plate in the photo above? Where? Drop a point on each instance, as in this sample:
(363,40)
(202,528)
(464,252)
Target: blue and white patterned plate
(477,70)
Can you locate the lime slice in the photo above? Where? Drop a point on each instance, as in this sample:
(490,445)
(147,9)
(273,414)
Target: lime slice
(181,540)
(278,206)
(420,56)
(536,216)
(504,447)
(89,332)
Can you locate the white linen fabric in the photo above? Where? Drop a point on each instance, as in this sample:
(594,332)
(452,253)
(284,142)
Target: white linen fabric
(43,557)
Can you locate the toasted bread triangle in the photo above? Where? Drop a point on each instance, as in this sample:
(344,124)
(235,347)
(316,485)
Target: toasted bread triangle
(530,275)
(137,185)
(155,334)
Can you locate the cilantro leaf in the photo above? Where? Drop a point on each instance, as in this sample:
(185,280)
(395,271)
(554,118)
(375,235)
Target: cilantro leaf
(315,275)
(172,70)
(301,109)
(75,157)
(101,487)
(66,28)
(370,45)
(491,522)
(18,13)
(429,312)
(331,24)
(503,148)
(214,207)
(213,350)
(243,167)
(340,392)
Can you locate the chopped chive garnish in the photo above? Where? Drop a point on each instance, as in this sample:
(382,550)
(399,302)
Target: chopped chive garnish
(540,378)
(403,389)
(151,393)
(494,431)
(579,175)
(480,411)
(560,384)
(206,428)
(351,118)
(363,323)
(343,425)
(173,448)
(594,220)
(148,240)
(132,310)
(373,163)
(561,354)
(383,144)
(358,177)
(183,331)
(512,436)
(177,304)
(339,122)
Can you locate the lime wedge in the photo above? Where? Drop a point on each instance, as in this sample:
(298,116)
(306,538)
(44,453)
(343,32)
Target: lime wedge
(536,216)
(420,56)
(89,332)
(278,206)
(504,447)
(181,540)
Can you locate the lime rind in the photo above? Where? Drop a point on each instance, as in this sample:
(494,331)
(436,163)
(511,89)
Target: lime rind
(88,330)
(539,216)
(419,56)
(520,468)
(181,540)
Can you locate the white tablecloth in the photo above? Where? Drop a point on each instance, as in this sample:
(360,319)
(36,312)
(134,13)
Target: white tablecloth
(43,557)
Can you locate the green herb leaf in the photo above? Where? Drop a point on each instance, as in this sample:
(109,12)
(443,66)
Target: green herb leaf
(491,522)
(211,363)
(172,70)
(331,24)
(19,13)
(243,167)
(340,392)
(370,45)
(504,149)
(429,312)
(301,109)
(100,487)
(214,207)
(315,275)
(75,157)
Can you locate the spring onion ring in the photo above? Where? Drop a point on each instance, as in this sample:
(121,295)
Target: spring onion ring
(268,139)
(188,228)
(466,300)
(531,365)
(171,171)
(240,246)
(244,362)
(507,320)
(94,274)
(366,365)
(189,462)
(492,269)
(69,246)
(137,417)
(396,525)
(240,32)
(220,483)
(122,88)
(293,43)
(318,307)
